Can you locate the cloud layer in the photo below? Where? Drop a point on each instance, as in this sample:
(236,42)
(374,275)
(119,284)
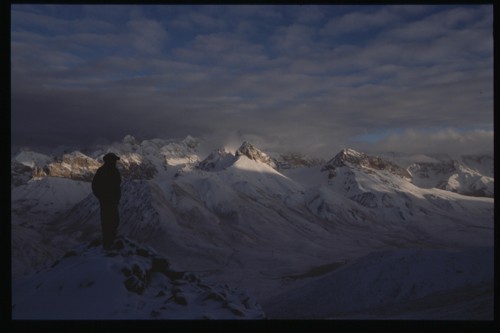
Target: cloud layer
(448,141)
(307,78)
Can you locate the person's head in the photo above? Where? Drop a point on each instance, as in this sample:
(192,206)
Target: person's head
(110,158)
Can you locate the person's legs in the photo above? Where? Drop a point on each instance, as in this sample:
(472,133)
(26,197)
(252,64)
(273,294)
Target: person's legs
(114,219)
(109,223)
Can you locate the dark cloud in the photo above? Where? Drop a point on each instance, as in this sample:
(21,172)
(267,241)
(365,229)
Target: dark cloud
(283,77)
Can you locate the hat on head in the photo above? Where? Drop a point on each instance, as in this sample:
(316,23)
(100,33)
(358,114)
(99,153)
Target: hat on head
(110,157)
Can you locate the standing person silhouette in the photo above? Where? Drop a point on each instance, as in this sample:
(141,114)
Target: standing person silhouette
(106,187)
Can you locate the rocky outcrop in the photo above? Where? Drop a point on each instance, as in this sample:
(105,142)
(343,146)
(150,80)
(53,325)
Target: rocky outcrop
(427,169)
(452,176)
(248,150)
(134,166)
(129,281)
(184,148)
(350,157)
(20,174)
(78,166)
(26,165)
(217,160)
(75,166)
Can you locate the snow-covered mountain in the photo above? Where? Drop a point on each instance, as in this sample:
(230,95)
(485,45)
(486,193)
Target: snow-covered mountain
(248,219)
(218,160)
(455,176)
(354,159)
(25,165)
(248,150)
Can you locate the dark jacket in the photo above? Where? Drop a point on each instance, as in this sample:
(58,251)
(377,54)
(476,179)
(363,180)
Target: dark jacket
(106,184)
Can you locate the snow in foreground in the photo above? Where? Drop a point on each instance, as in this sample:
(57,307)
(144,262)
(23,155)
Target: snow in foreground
(397,284)
(129,282)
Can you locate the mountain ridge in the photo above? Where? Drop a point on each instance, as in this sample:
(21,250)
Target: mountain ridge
(243,220)
(143,160)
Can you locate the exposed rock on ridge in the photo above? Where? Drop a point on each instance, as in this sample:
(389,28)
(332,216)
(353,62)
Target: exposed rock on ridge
(452,176)
(248,150)
(350,157)
(217,160)
(75,166)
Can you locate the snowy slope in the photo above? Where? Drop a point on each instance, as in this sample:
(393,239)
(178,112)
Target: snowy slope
(218,160)
(483,164)
(468,174)
(384,193)
(33,205)
(396,284)
(32,159)
(49,194)
(249,203)
(452,176)
(242,220)
(128,282)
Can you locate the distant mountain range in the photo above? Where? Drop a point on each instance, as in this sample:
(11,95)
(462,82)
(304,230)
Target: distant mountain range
(469,174)
(252,219)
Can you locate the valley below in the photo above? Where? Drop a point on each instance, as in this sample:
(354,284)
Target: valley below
(254,235)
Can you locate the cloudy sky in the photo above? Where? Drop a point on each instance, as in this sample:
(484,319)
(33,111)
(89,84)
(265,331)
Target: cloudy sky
(304,78)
